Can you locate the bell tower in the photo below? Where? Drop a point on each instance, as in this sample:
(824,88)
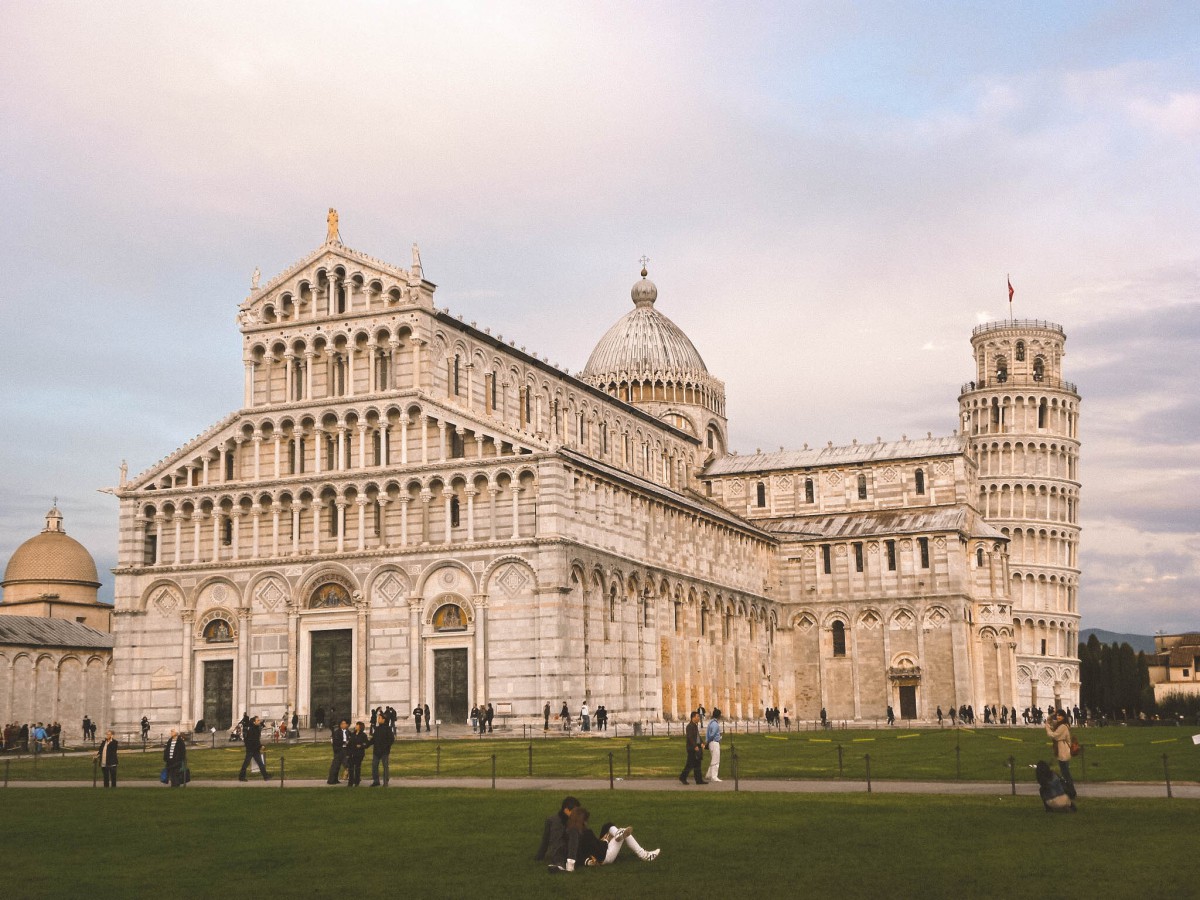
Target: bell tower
(1022,421)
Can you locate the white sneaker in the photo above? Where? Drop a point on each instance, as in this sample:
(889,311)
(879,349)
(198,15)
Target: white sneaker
(621,833)
(652,855)
(715,778)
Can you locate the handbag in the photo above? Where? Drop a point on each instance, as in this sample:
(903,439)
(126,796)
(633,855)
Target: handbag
(1075,748)
(187,775)
(163,776)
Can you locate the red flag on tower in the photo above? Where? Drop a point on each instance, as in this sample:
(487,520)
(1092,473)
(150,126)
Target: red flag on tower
(1010,289)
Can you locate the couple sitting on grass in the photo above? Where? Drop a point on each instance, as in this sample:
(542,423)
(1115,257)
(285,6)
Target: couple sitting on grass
(567,840)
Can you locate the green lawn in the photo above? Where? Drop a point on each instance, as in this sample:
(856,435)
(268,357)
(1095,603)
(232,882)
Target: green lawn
(457,843)
(1110,754)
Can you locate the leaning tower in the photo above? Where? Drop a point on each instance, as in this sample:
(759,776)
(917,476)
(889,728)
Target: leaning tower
(1022,421)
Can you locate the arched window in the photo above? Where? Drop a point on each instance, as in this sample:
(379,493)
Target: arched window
(1042,413)
(1020,351)
(1039,368)
(839,639)
(979,557)
(455,367)
(862,487)
(826,558)
(454,513)
(1001,369)
(809,494)
(761,495)
(920,481)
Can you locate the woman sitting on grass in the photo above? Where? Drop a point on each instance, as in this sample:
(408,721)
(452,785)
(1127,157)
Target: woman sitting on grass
(1051,789)
(600,851)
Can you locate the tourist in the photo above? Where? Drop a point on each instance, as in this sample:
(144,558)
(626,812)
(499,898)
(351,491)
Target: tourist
(712,737)
(603,850)
(355,753)
(489,716)
(145,728)
(107,756)
(695,750)
(428,718)
(175,759)
(585,717)
(546,715)
(417,717)
(564,715)
(475,718)
(381,751)
(1058,732)
(252,740)
(554,848)
(340,741)
(891,715)
(1051,790)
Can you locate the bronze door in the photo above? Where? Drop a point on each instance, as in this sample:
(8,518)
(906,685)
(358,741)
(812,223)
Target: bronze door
(218,694)
(332,675)
(908,701)
(450,686)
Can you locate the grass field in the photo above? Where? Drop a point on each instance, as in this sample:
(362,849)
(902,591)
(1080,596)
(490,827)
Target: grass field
(1110,754)
(424,842)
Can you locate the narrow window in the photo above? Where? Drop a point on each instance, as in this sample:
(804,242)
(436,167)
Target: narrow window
(292,457)
(809,493)
(377,448)
(920,481)
(827,558)
(1043,646)
(333,519)
(226,530)
(862,487)
(458,445)
(979,557)
(676,614)
(604,438)
(891,555)
(703,621)
(454,514)
(1020,351)
(1042,413)
(923,543)
(298,469)
(457,368)
(378,518)
(229,465)
(150,547)
(528,406)
(761,495)
(1039,369)
(489,392)
(1001,369)
(612,609)
(839,639)
(858,556)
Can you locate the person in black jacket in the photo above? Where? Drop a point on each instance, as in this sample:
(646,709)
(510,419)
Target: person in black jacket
(108,758)
(175,759)
(555,849)
(427,718)
(252,739)
(695,750)
(341,742)
(381,751)
(355,751)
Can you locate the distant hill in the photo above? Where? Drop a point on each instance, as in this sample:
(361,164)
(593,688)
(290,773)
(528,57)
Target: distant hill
(1136,641)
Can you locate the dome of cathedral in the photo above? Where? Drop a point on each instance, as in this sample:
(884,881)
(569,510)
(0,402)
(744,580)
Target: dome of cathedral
(52,556)
(644,342)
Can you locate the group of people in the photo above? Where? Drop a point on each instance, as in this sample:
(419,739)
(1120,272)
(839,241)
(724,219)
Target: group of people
(566,719)
(569,842)
(421,711)
(350,749)
(481,718)
(773,717)
(965,714)
(32,738)
(1058,791)
(697,741)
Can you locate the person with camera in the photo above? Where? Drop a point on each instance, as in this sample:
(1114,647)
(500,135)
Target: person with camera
(1060,733)
(252,740)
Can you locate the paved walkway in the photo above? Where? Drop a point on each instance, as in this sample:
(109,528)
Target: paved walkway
(1187,790)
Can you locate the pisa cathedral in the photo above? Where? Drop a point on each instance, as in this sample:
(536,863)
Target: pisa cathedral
(410,509)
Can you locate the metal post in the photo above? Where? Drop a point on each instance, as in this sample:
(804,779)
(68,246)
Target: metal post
(1012,774)
(957,761)
(629,760)
(493,771)
(531,759)
(868,759)
(1167,775)
(282,770)
(839,746)
(610,771)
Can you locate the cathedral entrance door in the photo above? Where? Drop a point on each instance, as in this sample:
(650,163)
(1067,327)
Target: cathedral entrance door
(450,685)
(331,674)
(908,701)
(218,694)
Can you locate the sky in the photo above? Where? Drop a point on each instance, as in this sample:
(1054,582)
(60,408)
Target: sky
(831,195)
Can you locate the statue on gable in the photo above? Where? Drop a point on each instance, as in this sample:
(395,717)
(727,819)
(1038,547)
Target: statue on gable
(254,279)
(332,235)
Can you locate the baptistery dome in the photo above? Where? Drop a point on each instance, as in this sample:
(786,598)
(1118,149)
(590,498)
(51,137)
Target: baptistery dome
(644,342)
(51,556)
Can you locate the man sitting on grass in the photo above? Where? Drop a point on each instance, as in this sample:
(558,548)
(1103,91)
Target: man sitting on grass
(555,849)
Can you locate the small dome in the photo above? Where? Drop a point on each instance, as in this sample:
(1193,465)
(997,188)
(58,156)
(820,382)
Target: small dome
(644,342)
(52,556)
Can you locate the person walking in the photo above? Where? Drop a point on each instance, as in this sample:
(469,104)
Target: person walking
(1057,730)
(175,759)
(417,713)
(546,717)
(712,737)
(489,716)
(428,718)
(252,741)
(340,741)
(145,729)
(695,750)
(108,759)
(891,715)
(381,751)
(585,717)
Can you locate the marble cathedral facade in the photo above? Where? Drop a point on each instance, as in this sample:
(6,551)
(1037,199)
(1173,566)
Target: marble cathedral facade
(410,509)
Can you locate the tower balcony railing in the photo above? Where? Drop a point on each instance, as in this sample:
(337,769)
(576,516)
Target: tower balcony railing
(1016,323)
(1020,382)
